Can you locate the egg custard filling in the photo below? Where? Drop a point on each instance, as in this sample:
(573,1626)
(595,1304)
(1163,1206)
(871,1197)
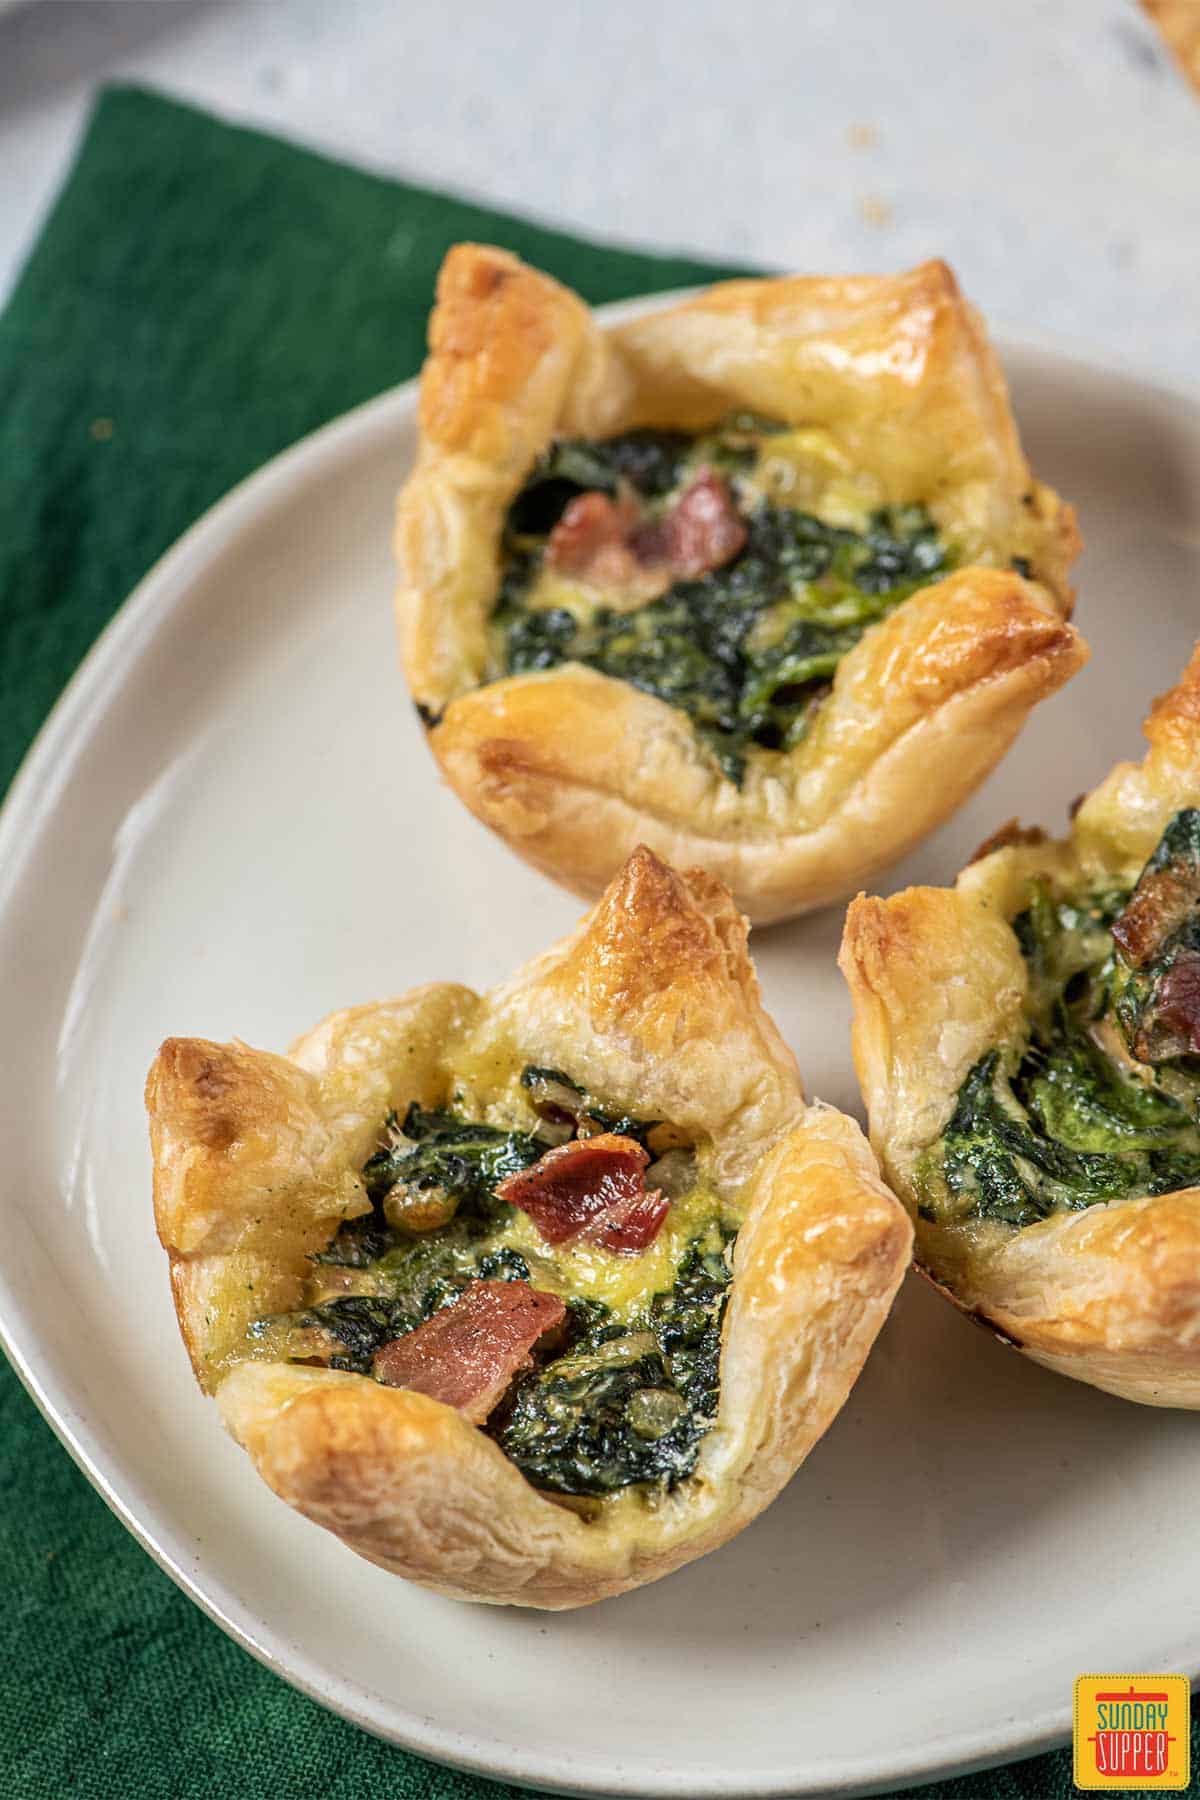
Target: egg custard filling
(726,573)
(615,1249)
(1101,1099)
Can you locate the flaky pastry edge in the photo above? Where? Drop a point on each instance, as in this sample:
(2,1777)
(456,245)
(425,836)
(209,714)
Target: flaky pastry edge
(1109,1295)
(653,1002)
(573,768)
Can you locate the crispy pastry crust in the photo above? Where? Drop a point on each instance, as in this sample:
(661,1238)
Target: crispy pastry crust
(653,1002)
(573,768)
(1178,22)
(1110,1295)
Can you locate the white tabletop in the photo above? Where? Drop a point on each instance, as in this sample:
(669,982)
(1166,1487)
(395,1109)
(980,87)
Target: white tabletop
(1047,148)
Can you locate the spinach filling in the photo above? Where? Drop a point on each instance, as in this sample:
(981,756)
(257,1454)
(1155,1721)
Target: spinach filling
(630,1402)
(1157,1001)
(630,1391)
(747,651)
(1102,1100)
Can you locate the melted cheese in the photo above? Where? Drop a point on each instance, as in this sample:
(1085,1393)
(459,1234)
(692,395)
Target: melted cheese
(622,1283)
(550,590)
(809,470)
(486,1085)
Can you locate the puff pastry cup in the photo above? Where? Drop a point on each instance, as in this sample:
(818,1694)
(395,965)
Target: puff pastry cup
(1109,1294)
(652,1003)
(893,397)
(1178,22)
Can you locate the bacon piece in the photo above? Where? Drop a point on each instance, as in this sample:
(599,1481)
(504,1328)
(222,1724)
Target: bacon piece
(1171,1024)
(601,540)
(1179,1001)
(592,1188)
(631,1225)
(1159,904)
(467,1354)
(702,531)
(591,540)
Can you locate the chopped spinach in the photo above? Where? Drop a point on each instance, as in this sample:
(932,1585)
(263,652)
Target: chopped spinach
(539,638)
(582,1106)
(359,1242)
(534,1075)
(1063,1133)
(412,1273)
(746,651)
(652,462)
(628,1404)
(439,1152)
(1063,940)
(1096,1103)
(629,1399)
(687,1320)
(414,1281)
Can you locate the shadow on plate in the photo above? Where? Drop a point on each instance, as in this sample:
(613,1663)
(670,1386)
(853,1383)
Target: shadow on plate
(919,1487)
(43,48)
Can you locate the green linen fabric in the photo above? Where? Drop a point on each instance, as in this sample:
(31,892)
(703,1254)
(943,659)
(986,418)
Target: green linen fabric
(200,298)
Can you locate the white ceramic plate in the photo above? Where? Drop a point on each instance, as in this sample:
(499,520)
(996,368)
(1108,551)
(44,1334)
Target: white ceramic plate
(230,826)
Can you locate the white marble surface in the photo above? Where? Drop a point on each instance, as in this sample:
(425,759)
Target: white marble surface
(1048,148)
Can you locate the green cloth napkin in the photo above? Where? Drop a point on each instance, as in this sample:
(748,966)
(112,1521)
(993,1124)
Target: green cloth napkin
(200,298)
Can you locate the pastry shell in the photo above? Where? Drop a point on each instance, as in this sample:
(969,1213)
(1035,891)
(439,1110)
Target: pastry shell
(1178,23)
(1109,1295)
(573,768)
(652,1002)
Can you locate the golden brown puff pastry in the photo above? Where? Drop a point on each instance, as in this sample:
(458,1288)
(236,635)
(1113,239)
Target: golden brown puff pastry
(890,396)
(1078,959)
(653,1004)
(1179,23)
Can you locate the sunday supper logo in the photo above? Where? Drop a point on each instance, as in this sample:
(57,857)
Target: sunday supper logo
(1132,1732)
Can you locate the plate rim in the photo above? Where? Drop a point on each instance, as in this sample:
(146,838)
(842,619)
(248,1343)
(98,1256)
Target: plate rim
(32,798)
